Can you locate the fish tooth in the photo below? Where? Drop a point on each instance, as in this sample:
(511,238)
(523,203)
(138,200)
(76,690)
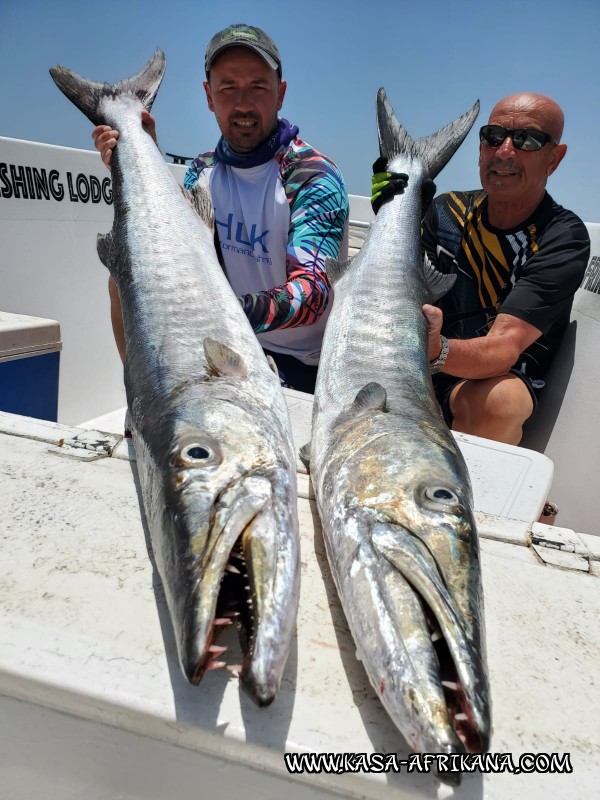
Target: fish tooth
(222,621)
(215,665)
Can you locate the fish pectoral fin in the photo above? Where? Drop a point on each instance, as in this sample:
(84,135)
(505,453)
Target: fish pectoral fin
(201,202)
(223,361)
(304,455)
(335,269)
(103,245)
(438,284)
(274,368)
(372,397)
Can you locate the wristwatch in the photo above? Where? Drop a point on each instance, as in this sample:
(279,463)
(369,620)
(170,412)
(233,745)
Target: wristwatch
(439,362)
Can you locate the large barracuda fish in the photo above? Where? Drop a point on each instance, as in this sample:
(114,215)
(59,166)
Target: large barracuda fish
(209,420)
(392,488)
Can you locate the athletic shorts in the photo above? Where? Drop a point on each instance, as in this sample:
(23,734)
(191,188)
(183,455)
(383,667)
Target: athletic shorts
(443,389)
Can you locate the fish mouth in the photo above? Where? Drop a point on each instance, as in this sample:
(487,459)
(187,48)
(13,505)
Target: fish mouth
(458,708)
(240,580)
(234,607)
(462,674)
(221,592)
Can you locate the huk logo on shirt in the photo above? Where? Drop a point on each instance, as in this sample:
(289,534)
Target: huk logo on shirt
(234,236)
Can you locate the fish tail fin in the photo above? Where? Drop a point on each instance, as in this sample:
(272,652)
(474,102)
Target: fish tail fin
(88,95)
(435,151)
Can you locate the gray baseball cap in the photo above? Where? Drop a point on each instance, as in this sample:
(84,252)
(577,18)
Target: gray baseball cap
(243,36)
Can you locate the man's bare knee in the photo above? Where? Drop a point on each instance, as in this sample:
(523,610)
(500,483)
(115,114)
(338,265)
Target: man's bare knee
(494,408)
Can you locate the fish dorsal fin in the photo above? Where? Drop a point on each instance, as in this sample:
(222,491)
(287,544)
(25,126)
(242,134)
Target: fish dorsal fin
(335,269)
(372,397)
(304,455)
(223,361)
(437,283)
(200,200)
(103,245)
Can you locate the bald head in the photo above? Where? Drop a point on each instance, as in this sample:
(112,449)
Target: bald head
(515,179)
(532,111)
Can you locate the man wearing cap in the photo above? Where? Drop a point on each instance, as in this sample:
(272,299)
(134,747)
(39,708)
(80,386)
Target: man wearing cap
(281,207)
(518,256)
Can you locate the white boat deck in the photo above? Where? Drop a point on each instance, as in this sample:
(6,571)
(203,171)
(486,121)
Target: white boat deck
(89,676)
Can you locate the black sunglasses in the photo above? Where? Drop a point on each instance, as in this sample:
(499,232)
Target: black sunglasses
(522,138)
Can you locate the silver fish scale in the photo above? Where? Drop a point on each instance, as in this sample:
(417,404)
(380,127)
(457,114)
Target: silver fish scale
(175,274)
(376,302)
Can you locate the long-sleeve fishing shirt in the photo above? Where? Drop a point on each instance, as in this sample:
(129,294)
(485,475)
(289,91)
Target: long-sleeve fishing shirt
(276,224)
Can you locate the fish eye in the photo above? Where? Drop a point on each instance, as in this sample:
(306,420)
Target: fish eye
(440,494)
(441,498)
(196,454)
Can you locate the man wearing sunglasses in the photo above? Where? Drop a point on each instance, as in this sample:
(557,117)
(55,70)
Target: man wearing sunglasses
(519,258)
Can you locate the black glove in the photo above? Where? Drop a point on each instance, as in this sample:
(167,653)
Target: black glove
(386,185)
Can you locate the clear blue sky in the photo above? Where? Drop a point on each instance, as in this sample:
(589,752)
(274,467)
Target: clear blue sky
(434,58)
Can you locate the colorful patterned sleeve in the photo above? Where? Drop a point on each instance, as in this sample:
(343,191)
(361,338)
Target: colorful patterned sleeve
(196,167)
(319,211)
